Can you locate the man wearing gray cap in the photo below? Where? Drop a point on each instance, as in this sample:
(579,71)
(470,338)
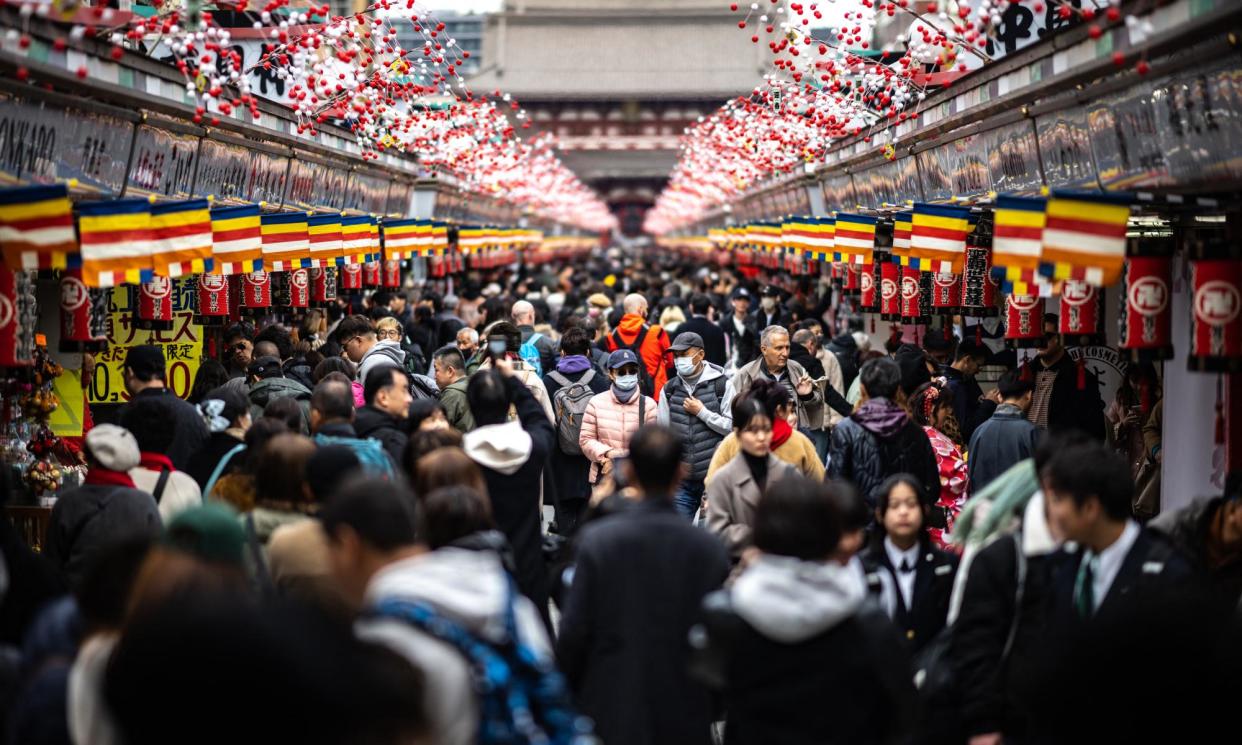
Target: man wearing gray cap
(695,406)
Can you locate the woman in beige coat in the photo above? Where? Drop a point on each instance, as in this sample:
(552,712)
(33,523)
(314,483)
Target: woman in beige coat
(734,492)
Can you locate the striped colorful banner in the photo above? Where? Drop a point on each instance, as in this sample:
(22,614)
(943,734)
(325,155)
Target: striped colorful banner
(903,225)
(286,241)
(183,238)
(854,238)
(1085,237)
(938,234)
(36,227)
(405,238)
(355,239)
(1018,231)
(471,239)
(324,233)
(236,239)
(117,239)
(439,238)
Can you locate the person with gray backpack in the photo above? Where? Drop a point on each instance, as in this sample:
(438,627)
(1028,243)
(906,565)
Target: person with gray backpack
(695,405)
(571,384)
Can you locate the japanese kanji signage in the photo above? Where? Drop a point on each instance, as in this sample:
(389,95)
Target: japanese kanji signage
(183,345)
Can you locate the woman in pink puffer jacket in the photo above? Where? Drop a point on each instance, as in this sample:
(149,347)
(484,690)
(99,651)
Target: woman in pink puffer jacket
(612,417)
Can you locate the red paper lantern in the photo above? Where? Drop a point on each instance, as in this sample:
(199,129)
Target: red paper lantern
(852,285)
(913,308)
(946,293)
(18,311)
(152,303)
(1146,318)
(83,314)
(1215,332)
(1082,313)
(890,292)
(869,288)
(323,286)
(351,277)
(1024,320)
(212,300)
(299,289)
(371,274)
(256,290)
(392,273)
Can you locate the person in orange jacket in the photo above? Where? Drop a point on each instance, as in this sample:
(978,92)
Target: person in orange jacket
(648,341)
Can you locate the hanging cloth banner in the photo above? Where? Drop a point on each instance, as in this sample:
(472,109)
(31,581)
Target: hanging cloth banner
(324,233)
(183,238)
(236,239)
(1082,314)
(1017,242)
(1085,237)
(404,239)
(356,239)
(36,227)
(117,240)
(1024,320)
(978,283)
(903,227)
(439,238)
(323,285)
(1215,332)
(286,241)
(854,238)
(938,237)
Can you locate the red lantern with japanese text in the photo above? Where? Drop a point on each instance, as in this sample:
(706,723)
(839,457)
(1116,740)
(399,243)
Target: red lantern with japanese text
(212,299)
(912,299)
(18,313)
(152,303)
(299,288)
(1024,320)
(946,293)
(256,290)
(371,274)
(83,314)
(350,277)
(1082,313)
(869,288)
(1146,318)
(392,273)
(323,285)
(852,285)
(890,291)
(1215,329)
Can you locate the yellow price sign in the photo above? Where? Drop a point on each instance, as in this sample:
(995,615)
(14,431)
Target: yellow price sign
(183,347)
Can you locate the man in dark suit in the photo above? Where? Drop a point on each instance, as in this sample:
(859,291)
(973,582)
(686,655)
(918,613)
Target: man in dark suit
(1125,610)
(699,323)
(637,587)
(770,311)
(739,328)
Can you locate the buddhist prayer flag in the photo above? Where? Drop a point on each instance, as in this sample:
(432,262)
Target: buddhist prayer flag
(854,238)
(117,239)
(439,238)
(36,227)
(324,233)
(286,241)
(1017,241)
(405,238)
(236,239)
(471,238)
(356,239)
(903,225)
(1085,237)
(938,234)
(183,237)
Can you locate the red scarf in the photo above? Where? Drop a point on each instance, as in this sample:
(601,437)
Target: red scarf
(155,462)
(781,432)
(100,476)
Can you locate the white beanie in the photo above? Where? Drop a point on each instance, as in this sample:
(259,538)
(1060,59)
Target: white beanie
(114,447)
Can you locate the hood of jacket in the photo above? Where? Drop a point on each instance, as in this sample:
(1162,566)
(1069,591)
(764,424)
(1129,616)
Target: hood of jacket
(368,420)
(844,343)
(501,447)
(264,391)
(384,352)
(631,324)
(790,600)
(881,417)
(467,585)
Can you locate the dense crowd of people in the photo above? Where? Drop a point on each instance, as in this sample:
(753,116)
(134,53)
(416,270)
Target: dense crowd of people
(616,502)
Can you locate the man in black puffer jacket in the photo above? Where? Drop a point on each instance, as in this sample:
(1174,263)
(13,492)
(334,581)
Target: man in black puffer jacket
(880,439)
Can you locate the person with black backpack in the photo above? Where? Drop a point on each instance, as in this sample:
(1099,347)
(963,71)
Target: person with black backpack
(695,405)
(571,384)
(649,343)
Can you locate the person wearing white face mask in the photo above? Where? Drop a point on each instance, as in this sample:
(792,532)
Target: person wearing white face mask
(695,405)
(612,417)
(770,312)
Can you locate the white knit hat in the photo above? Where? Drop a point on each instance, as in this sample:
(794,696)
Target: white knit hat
(114,447)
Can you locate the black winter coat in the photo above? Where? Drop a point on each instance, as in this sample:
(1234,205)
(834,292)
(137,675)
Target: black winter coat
(637,588)
(933,585)
(968,405)
(370,422)
(849,685)
(866,458)
(713,338)
(190,431)
(845,349)
(206,458)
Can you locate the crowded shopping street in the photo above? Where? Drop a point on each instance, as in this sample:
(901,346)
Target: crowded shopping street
(620,372)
